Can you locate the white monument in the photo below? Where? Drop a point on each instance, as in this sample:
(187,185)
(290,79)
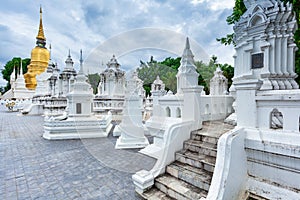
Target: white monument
(187,75)
(270,54)
(78,122)
(218,84)
(112,80)
(67,77)
(18,89)
(157,91)
(42,88)
(260,158)
(50,94)
(131,128)
(111,90)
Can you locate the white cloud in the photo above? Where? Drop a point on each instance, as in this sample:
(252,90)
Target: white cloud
(215,4)
(85,25)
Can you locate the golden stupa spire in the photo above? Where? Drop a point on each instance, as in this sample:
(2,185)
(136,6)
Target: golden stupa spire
(41,35)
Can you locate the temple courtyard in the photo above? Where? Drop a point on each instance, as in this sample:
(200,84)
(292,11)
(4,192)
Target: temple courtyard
(34,168)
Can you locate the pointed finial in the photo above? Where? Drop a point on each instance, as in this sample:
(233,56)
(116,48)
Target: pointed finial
(41,35)
(69,53)
(50,51)
(13,74)
(187,43)
(21,68)
(81,61)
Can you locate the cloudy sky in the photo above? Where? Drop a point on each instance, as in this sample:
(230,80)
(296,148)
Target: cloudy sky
(93,25)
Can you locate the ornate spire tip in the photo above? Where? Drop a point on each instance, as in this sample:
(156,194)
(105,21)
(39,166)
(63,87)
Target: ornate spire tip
(187,43)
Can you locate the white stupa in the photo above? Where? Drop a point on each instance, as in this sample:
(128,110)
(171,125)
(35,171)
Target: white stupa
(19,89)
(131,127)
(78,121)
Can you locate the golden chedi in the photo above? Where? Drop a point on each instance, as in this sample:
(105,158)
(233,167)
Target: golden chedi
(39,58)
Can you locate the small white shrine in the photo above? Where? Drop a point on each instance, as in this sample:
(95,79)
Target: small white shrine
(18,89)
(78,120)
(67,77)
(50,94)
(42,88)
(131,129)
(111,90)
(218,84)
(151,104)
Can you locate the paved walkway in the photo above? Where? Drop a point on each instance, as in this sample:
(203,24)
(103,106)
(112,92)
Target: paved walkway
(34,168)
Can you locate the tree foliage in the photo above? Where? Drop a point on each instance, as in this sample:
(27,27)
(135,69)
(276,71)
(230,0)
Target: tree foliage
(9,67)
(238,10)
(207,72)
(150,70)
(94,80)
(168,68)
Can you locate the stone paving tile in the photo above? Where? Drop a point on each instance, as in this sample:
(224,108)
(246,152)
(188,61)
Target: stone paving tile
(34,168)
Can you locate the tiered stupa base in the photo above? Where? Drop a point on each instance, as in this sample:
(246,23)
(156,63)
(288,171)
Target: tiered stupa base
(129,141)
(77,128)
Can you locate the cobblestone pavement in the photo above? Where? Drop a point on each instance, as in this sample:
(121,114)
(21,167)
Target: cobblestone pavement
(34,168)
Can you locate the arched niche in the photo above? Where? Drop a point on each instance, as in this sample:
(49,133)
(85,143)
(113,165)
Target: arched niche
(206,110)
(257,19)
(178,112)
(276,119)
(168,112)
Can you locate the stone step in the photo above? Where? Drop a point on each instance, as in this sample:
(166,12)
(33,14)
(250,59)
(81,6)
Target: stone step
(198,136)
(196,160)
(201,147)
(255,197)
(192,175)
(178,189)
(211,131)
(155,194)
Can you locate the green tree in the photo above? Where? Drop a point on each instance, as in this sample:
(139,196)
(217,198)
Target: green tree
(228,72)
(168,68)
(239,9)
(174,63)
(9,67)
(150,70)
(94,80)
(206,71)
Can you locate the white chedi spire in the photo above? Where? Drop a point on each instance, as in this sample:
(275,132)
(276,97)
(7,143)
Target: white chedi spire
(187,63)
(69,62)
(187,75)
(81,85)
(20,82)
(81,63)
(113,63)
(13,75)
(21,69)
(81,76)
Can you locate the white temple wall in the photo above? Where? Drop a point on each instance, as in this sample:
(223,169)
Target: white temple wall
(230,174)
(212,107)
(216,107)
(172,104)
(289,108)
